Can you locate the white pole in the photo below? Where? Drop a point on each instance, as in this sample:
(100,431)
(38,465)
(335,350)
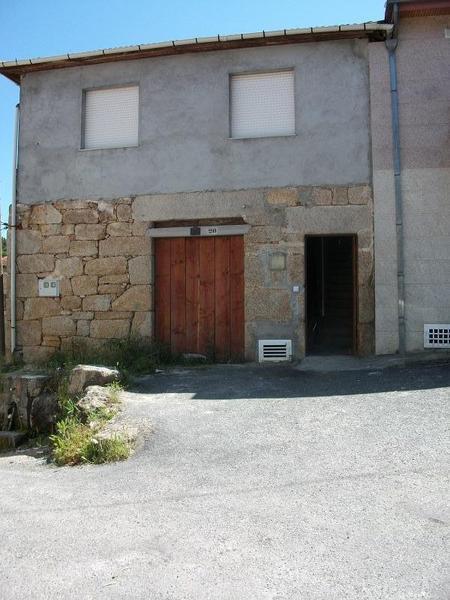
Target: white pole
(12,230)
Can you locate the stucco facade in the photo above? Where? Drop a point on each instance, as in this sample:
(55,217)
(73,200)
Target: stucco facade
(184,136)
(423,56)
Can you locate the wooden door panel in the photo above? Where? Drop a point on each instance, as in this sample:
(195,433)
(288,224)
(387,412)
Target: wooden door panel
(222,298)
(178,294)
(199,295)
(162,289)
(192,293)
(206,300)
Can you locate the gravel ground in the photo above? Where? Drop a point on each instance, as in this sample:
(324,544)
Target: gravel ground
(255,483)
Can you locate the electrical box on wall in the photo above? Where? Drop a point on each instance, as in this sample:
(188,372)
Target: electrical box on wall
(49,286)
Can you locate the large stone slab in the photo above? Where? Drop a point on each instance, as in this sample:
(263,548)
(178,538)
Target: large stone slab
(35,355)
(136,298)
(36,308)
(29,333)
(106,266)
(45,214)
(11,439)
(95,397)
(139,269)
(26,285)
(89,231)
(35,263)
(124,246)
(82,215)
(69,267)
(282,196)
(83,248)
(99,302)
(83,376)
(56,244)
(44,413)
(28,241)
(142,324)
(110,329)
(84,285)
(62,326)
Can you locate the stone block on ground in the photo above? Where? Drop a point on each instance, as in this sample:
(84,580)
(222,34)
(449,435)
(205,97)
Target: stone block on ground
(44,413)
(83,376)
(94,398)
(11,439)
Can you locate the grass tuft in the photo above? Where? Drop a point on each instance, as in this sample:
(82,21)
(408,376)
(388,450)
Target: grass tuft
(75,442)
(107,450)
(133,355)
(114,390)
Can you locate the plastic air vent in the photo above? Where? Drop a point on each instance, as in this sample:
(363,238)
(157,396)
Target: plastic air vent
(436,335)
(274,350)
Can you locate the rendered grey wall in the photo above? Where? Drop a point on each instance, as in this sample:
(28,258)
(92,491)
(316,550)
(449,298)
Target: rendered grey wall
(424,90)
(184,126)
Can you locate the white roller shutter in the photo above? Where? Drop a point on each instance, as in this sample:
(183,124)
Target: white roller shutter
(111,117)
(262,104)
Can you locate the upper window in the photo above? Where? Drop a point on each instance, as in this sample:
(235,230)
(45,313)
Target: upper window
(262,104)
(111,117)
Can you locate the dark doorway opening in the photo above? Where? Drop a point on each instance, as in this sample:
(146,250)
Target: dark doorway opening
(331,294)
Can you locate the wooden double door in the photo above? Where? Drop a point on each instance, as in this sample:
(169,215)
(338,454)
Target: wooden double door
(199,295)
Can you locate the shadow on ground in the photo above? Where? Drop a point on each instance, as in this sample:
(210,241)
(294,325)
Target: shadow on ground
(222,382)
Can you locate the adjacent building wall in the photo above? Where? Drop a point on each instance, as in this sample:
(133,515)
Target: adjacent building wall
(424,89)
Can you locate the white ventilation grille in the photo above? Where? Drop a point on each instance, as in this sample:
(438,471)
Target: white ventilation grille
(274,350)
(111,117)
(436,335)
(262,105)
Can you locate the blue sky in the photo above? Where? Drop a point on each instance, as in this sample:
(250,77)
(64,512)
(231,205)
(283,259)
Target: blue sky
(30,28)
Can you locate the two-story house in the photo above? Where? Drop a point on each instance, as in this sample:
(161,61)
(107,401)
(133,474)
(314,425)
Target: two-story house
(239,196)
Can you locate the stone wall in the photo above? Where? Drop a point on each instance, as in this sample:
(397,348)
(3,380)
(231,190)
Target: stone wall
(100,252)
(102,259)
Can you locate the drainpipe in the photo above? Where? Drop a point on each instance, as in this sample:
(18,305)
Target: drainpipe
(12,233)
(391,45)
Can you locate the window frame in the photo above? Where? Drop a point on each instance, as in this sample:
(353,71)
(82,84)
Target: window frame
(260,72)
(114,86)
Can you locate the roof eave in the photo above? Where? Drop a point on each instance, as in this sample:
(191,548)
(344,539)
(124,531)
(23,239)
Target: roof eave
(13,70)
(417,8)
